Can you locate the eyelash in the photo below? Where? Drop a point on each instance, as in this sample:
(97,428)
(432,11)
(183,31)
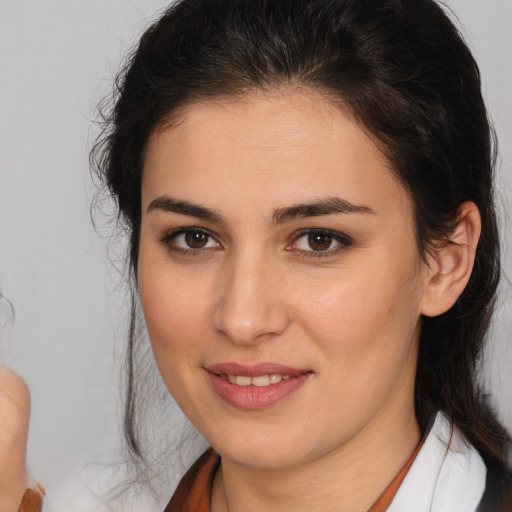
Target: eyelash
(168,238)
(343,241)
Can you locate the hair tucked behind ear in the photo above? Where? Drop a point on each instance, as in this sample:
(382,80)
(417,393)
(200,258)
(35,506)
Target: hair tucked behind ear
(404,72)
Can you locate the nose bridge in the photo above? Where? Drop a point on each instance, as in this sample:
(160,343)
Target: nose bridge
(250,306)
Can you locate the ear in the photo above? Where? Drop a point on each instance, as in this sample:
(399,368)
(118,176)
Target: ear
(451,263)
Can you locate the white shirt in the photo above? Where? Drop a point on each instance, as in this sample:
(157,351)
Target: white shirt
(448,474)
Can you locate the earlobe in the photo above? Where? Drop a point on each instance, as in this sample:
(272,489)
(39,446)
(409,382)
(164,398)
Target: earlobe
(452,263)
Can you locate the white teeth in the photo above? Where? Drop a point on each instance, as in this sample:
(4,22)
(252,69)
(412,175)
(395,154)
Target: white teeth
(261,380)
(258,381)
(275,378)
(242,380)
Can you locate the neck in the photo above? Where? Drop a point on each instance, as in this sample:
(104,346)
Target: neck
(348,479)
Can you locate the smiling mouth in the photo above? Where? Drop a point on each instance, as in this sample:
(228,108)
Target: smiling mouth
(257,381)
(258,386)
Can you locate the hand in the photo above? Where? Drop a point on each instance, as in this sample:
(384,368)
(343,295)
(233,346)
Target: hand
(14,417)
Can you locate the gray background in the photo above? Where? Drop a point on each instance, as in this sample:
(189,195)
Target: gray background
(57,60)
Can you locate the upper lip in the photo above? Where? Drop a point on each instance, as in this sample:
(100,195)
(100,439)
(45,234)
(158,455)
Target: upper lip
(253,370)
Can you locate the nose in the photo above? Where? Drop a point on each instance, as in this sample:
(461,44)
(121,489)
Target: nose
(251,306)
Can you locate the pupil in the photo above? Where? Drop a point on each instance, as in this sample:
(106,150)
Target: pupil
(196,239)
(319,241)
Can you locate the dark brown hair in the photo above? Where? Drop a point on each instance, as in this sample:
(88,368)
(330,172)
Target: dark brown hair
(403,71)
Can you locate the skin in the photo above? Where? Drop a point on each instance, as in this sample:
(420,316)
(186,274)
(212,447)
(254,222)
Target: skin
(14,418)
(258,292)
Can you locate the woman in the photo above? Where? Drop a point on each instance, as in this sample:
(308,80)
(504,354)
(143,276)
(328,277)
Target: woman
(308,191)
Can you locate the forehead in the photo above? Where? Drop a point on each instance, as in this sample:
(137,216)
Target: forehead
(271,147)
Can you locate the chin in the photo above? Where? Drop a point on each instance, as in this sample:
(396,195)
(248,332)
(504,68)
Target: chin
(261,457)
(274,448)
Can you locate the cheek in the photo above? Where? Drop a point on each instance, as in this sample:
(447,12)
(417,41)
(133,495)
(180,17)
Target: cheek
(175,309)
(364,312)
(175,319)
(366,333)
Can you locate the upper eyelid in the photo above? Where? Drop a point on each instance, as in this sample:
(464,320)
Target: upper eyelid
(186,229)
(335,234)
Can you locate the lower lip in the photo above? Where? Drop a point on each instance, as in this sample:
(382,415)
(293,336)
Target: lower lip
(254,397)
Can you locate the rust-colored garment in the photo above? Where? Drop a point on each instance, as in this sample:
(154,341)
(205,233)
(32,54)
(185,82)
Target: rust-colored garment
(194,490)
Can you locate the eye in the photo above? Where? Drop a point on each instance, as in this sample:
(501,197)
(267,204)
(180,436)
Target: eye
(190,239)
(320,241)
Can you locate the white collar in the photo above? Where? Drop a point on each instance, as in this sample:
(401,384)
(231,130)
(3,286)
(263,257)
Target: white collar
(448,474)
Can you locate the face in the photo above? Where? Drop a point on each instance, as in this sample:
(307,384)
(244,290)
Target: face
(279,277)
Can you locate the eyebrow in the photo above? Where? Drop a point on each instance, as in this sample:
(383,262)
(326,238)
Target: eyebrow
(168,204)
(328,206)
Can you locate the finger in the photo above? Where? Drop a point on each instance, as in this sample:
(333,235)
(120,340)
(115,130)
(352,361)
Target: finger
(14,419)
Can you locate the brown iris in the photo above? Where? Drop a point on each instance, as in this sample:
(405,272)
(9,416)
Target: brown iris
(319,241)
(196,239)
